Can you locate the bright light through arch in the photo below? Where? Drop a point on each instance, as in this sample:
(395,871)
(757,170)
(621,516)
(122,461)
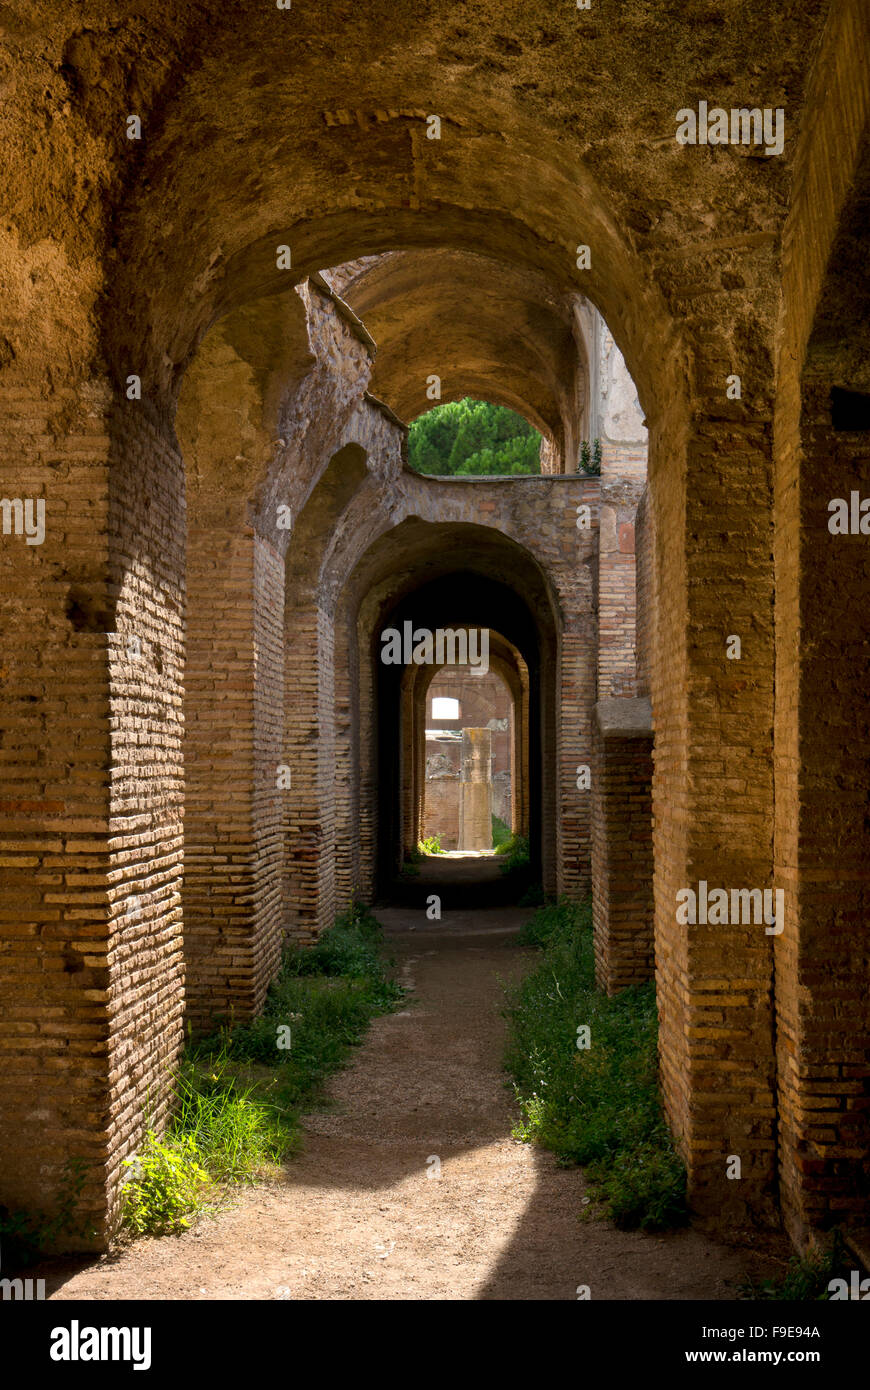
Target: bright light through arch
(444,708)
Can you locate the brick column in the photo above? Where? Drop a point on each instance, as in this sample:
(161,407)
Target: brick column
(616,600)
(622,861)
(713,800)
(822,782)
(233,751)
(90,856)
(475,790)
(310,744)
(823,841)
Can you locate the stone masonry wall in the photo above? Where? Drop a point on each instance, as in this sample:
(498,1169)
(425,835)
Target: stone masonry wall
(822,1020)
(622,860)
(143,994)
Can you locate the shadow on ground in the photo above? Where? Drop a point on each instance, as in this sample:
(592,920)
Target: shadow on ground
(410,1186)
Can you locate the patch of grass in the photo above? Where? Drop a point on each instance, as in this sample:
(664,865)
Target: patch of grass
(229,1118)
(597,1106)
(515,852)
(242,1091)
(166,1186)
(534,896)
(501,832)
(806,1277)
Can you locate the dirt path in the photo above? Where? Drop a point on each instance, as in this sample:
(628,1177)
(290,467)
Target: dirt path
(359,1217)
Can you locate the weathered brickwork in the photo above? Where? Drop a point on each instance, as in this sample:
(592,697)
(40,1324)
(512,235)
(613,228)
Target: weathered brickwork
(234,832)
(645,596)
(55,1032)
(622,861)
(225,542)
(540,515)
(143,994)
(92,797)
(821,849)
(617,616)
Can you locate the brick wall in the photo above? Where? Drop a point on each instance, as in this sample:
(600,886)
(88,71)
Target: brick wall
(91,796)
(617,618)
(144,998)
(823,1025)
(56,612)
(622,861)
(233,831)
(645,597)
(823,1009)
(540,515)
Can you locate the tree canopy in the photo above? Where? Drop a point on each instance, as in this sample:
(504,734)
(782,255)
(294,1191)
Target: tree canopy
(473,437)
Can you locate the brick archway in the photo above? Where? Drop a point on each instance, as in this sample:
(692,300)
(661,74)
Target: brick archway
(144,279)
(506,662)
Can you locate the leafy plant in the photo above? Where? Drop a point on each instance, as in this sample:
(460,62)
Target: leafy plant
(501,832)
(468,437)
(806,1277)
(590,458)
(598,1106)
(166,1186)
(516,853)
(242,1090)
(430,845)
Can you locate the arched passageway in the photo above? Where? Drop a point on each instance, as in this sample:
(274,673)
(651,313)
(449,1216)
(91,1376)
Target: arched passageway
(449,699)
(179,447)
(418,573)
(457,602)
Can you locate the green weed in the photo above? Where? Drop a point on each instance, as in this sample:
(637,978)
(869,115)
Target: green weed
(515,852)
(806,1277)
(166,1186)
(501,832)
(597,1106)
(242,1090)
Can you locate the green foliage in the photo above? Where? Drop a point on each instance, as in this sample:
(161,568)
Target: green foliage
(590,459)
(430,845)
(167,1187)
(534,896)
(599,1107)
(516,853)
(501,832)
(234,1134)
(25,1237)
(468,437)
(806,1277)
(242,1090)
